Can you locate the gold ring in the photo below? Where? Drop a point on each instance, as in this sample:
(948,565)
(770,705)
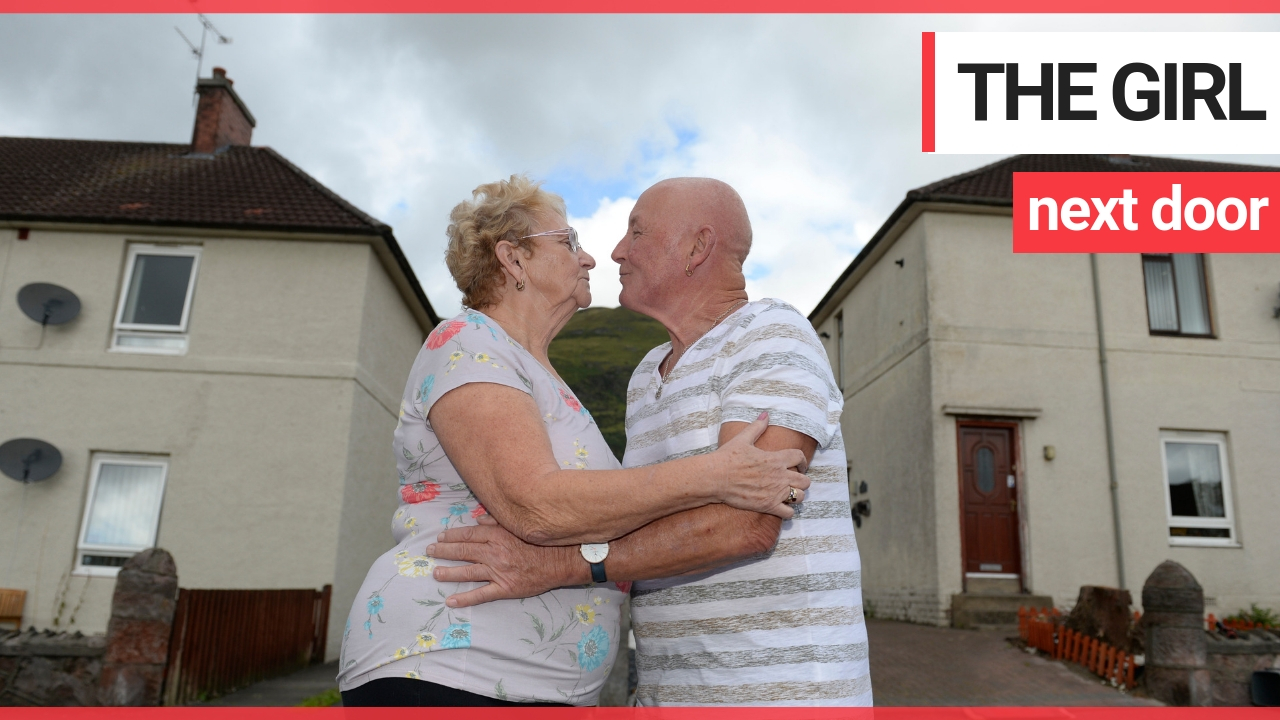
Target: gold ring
(791,497)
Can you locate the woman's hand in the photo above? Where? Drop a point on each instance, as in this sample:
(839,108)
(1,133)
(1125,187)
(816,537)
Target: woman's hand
(511,567)
(758,480)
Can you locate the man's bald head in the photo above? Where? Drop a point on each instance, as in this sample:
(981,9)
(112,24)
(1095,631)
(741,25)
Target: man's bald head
(690,203)
(686,242)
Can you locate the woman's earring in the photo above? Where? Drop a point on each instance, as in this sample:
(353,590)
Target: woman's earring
(688,269)
(520,284)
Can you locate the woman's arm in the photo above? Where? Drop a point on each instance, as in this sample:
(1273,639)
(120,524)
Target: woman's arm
(495,438)
(681,544)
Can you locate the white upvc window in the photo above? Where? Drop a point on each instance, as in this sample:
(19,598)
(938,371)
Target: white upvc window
(122,514)
(155,299)
(1197,484)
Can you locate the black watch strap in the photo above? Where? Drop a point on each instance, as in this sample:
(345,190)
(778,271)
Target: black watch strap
(597,573)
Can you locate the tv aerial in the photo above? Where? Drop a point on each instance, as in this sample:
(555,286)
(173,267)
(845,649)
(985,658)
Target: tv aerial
(28,460)
(48,304)
(206,27)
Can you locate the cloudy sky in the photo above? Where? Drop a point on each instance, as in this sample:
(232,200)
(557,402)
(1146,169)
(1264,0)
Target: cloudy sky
(814,119)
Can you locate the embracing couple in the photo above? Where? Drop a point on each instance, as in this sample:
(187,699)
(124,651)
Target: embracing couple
(519,535)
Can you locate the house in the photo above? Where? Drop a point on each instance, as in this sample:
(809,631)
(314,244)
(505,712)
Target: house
(1027,424)
(230,386)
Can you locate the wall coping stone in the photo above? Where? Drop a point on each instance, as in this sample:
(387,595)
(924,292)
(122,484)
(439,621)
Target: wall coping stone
(47,643)
(1252,642)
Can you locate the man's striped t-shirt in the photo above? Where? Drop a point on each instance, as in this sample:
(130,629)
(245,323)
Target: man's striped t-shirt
(787,628)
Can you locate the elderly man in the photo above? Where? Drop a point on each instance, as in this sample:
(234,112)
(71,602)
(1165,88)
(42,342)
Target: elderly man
(730,607)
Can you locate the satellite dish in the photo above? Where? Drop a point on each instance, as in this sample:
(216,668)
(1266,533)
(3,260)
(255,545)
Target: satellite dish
(48,304)
(29,460)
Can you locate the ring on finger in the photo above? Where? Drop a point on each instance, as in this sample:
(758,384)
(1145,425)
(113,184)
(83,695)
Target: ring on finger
(792,497)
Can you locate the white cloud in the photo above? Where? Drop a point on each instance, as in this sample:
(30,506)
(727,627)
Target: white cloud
(598,235)
(804,212)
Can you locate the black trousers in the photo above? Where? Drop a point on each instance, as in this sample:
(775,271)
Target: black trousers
(407,692)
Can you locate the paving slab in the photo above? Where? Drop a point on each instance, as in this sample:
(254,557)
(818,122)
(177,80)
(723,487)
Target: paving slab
(284,691)
(920,665)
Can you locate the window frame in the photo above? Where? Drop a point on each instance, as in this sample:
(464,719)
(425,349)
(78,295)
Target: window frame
(119,327)
(83,548)
(1228,521)
(1177,307)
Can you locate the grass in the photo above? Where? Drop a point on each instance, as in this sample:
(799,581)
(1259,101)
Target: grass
(328,698)
(596,354)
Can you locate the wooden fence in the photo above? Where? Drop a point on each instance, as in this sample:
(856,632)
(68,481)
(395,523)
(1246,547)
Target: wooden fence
(1043,630)
(226,639)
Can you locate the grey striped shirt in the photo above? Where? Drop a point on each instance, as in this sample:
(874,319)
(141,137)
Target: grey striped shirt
(785,629)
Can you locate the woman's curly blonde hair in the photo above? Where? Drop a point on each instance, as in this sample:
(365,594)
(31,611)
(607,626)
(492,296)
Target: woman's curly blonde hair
(497,211)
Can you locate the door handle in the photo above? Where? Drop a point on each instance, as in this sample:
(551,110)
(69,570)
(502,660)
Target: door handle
(1013,506)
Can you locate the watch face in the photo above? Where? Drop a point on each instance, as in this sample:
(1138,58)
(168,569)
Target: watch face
(595,552)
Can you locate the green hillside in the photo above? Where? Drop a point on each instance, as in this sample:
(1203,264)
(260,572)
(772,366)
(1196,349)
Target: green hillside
(596,353)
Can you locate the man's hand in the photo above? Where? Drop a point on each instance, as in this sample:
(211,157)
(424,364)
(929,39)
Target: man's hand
(511,567)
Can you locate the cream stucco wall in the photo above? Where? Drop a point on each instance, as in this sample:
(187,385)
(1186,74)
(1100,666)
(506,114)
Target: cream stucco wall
(390,340)
(279,413)
(888,433)
(1019,331)
(1016,335)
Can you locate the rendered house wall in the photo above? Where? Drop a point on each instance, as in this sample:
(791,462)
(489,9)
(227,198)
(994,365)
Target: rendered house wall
(256,419)
(390,341)
(1019,332)
(887,431)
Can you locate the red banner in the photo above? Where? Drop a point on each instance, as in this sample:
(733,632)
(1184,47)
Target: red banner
(926,91)
(1146,212)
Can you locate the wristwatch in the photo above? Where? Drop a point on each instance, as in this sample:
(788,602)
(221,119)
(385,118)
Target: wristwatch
(594,554)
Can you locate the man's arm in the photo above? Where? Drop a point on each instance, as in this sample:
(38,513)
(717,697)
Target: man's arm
(706,537)
(683,543)
(520,482)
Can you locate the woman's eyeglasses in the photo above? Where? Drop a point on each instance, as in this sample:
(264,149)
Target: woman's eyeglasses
(574,247)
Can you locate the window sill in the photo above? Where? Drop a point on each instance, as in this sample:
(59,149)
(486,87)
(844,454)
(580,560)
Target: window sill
(1163,333)
(1204,542)
(92,571)
(148,343)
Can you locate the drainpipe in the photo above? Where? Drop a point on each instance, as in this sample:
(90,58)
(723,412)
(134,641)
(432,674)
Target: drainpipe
(1106,416)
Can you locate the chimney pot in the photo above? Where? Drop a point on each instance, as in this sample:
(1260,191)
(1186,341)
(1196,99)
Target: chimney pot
(221,116)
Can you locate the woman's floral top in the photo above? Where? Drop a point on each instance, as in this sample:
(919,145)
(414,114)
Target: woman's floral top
(556,647)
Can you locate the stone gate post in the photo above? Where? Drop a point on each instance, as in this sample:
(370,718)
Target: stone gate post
(1177,670)
(142,610)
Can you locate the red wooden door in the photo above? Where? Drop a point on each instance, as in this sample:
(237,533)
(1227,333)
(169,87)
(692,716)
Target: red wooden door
(989,501)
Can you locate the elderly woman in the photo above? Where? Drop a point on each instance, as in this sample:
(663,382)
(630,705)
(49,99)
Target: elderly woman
(487,426)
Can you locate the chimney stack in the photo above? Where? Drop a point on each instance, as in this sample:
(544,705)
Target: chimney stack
(221,116)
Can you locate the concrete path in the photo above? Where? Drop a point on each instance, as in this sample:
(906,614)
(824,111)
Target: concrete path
(910,665)
(921,665)
(285,691)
